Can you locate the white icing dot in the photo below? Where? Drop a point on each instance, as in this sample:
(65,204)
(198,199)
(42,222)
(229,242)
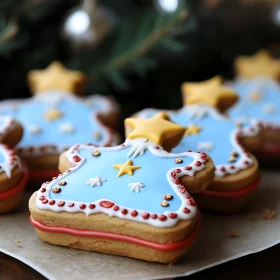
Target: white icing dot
(205,146)
(136,187)
(269,109)
(67,128)
(97,181)
(34,129)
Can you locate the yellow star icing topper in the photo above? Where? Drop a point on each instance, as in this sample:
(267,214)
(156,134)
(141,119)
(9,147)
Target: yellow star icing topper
(126,168)
(211,92)
(53,114)
(261,64)
(193,130)
(56,77)
(156,129)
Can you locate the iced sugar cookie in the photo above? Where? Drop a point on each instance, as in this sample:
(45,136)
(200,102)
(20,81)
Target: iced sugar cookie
(130,200)
(209,131)
(258,87)
(13,175)
(55,118)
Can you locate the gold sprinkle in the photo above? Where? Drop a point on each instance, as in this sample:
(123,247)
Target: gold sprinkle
(232,159)
(234,153)
(164,203)
(96,135)
(62,183)
(145,140)
(168,197)
(239,124)
(18,241)
(56,190)
(178,160)
(96,153)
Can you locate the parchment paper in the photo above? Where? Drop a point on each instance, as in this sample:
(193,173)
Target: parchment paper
(214,246)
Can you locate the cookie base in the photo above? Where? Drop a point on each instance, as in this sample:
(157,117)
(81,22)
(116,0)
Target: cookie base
(116,244)
(269,155)
(10,199)
(226,202)
(38,177)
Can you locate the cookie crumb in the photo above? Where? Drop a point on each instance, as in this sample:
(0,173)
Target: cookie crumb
(269,214)
(18,241)
(233,234)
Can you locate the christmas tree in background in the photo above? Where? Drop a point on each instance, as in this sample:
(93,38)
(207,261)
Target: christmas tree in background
(140,51)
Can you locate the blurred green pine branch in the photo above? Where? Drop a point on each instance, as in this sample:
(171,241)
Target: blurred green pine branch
(30,39)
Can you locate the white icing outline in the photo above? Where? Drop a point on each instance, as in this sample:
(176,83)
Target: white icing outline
(155,150)
(251,130)
(52,149)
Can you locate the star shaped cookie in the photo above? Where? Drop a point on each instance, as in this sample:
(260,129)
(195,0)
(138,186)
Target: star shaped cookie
(261,64)
(210,92)
(156,129)
(56,77)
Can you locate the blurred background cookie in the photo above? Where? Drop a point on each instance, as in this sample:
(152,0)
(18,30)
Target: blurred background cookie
(209,131)
(258,86)
(13,173)
(55,118)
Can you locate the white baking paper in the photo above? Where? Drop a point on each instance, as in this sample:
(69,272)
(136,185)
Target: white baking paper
(213,247)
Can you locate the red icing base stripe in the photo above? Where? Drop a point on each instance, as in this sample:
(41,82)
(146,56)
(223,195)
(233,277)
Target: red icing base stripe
(114,236)
(43,175)
(19,187)
(273,149)
(233,194)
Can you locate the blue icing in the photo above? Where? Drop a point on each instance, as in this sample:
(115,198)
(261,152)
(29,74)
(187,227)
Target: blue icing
(2,158)
(153,174)
(75,112)
(270,96)
(1,124)
(210,132)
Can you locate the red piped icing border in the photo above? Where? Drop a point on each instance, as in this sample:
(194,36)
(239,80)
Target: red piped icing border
(232,194)
(114,236)
(18,187)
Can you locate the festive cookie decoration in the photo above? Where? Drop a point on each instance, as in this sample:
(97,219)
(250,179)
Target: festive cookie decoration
(209,131)
(136,186)
(261,64)
(214,134)
(211,92)
(259,93)
(54,118)
(56,77)
(13,175)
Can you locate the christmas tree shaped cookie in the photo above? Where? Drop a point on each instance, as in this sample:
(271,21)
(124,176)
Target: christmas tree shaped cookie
(130,200)
(207,130)
(258,87)
(13,175)
(55,118)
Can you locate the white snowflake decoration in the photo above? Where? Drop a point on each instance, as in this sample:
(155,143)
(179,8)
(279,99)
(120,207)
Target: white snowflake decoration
(205,146)
(97,181)
(67,128)
(136,187)
(269,109)
(34,129)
